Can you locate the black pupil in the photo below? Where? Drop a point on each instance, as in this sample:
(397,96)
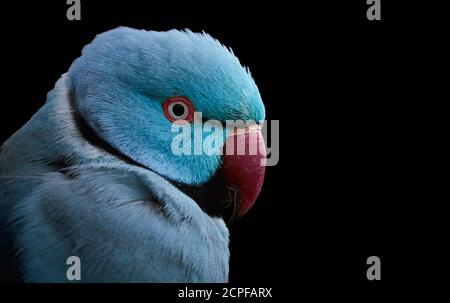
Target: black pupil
(178,110)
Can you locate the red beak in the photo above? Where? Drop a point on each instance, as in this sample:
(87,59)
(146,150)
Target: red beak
(244,166)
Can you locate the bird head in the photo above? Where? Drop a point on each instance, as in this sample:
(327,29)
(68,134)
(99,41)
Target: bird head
(131,86)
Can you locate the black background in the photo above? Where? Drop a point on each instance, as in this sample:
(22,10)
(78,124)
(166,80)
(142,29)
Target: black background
(360,169)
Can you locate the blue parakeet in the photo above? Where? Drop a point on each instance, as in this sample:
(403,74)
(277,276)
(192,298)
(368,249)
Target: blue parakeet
(92,174)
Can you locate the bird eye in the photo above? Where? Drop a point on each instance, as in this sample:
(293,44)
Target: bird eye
(178,108)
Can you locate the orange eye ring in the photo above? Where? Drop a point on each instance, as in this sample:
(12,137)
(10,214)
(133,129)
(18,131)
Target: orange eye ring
(178,109)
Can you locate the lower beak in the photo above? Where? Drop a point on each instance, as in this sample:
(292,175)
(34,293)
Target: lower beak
(244,167)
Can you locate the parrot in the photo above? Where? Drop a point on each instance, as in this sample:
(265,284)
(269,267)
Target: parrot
(92,174)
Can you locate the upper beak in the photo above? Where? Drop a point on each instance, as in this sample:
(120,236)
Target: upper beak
(244,166)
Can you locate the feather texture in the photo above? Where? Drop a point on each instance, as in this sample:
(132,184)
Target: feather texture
(125,222)
(92,173)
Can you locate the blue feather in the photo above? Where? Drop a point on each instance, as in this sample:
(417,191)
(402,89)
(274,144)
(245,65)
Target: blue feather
(124,75)
(62,194)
